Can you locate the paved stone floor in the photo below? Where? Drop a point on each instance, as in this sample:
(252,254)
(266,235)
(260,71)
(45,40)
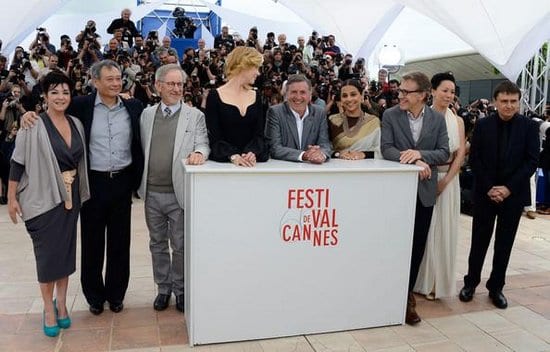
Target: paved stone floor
(448,324)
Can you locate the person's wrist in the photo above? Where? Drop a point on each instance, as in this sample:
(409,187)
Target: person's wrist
(233,158)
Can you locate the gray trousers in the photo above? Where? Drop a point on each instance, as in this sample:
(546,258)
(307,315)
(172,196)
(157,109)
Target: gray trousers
(164,219)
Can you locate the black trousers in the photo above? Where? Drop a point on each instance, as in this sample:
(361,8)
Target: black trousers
(105,219)
(507,216)
(422,219)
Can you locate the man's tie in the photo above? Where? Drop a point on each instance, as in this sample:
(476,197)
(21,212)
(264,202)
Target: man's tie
(167,112)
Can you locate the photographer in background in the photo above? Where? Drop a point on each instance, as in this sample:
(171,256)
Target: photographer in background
(3,73)
(126,26)
(252,40)
(345,71)
(65,53)
(306,50)
(330,45)
(88,34)
(89,54)
(113,50)
(142,89)
(224,39)
(42,40)
(185,27)
(12,108)
(129,71)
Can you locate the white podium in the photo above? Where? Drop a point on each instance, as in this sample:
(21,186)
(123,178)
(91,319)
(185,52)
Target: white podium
(288,248)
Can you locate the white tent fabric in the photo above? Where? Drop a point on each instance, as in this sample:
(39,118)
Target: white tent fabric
(243,21)
(507,35)
(20,18)
(62,17)
(505,32)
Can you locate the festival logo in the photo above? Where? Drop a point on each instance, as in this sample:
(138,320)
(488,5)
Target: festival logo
(309,218)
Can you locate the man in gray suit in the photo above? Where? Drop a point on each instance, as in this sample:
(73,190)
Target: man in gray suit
(413,133)
(296,129)
(171,131)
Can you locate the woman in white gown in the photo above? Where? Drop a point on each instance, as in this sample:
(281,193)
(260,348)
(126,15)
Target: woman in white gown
(436,277)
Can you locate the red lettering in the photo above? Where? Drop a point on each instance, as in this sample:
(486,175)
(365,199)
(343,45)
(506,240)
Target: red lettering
(296,233)
(326,236)
(316,238)
(285,229)
(309,198)
(291,197)
(306,235)
(334,235)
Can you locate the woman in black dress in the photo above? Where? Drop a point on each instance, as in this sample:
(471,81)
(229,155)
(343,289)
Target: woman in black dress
(234,114)
(47,184)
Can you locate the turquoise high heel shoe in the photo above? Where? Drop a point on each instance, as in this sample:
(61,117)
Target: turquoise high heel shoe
(51,331)
(63,323)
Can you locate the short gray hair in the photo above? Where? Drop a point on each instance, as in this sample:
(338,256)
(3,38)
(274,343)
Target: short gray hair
(163,70)
(297,78)
(95,70)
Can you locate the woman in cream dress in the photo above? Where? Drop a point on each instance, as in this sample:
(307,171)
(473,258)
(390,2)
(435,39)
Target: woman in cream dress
(436,277)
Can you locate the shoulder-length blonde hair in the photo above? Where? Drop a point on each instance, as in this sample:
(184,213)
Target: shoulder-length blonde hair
(240,59)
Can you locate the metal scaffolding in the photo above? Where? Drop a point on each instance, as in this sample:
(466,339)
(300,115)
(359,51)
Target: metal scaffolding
(534,82)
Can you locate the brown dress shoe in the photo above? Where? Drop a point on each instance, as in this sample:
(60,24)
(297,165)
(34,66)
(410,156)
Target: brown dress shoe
(411,317)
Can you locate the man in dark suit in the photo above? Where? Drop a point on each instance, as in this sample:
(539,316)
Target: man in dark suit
(115,167)
(296,129)
(111,125)
(503,156)
(413,133)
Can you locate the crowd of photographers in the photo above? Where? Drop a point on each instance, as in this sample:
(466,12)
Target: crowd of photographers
(317,57)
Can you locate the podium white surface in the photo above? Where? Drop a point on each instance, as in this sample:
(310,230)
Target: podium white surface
(288,248)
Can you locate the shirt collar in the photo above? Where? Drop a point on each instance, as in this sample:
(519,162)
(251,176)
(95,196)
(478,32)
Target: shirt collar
(296,115)
(173,108)
(99,101)
(411,116)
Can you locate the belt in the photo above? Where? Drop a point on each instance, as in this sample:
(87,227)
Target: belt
(68,178)
(109,174)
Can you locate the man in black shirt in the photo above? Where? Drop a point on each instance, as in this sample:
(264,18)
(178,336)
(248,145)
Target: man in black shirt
(129,30)
(503,156)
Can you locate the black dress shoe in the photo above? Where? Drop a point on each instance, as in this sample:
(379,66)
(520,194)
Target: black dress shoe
(96,309)
(116,307)
(466,294)
(498,299)
(180,303)
(161,302)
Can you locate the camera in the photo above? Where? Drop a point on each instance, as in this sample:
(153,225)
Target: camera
(26,65)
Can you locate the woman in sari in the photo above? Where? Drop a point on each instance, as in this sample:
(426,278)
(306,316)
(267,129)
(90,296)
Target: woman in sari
(354,134)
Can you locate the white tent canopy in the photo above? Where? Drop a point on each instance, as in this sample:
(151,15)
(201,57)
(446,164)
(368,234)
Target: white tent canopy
(507,33)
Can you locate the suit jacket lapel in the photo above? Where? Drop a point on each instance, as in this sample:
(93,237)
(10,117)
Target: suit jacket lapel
(308,124)
(403,121)
(426,124)
(292,124)
(183,121)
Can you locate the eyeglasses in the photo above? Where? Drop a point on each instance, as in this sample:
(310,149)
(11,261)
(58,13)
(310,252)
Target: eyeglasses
(172,85)
(405,92)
